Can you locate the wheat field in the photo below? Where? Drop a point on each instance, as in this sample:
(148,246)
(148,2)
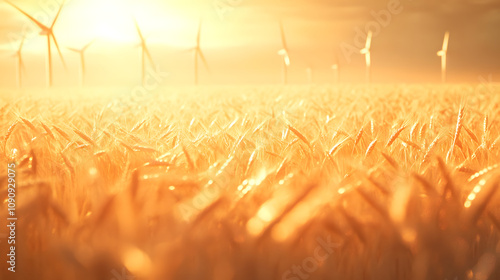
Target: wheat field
(294,182)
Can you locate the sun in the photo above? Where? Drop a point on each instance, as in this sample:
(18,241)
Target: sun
(103,19)
(113,20)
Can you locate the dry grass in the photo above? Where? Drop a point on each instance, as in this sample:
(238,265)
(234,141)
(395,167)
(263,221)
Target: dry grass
(239,183)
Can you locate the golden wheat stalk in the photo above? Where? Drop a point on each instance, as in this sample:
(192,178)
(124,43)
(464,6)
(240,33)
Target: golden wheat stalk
(449,186)
(7,135)
(370,148)
(358,136)
(337,146)
(188,158)
(29,124)
(457,133)
(411,144)
(471,134)
(485,131)
(138,125)
(68,164)
(146,149)
(428,153)
(422,132)
(395,135)
(391,161)
(413,130)
(62,133)
(250,162)
(47,129)
(300,136)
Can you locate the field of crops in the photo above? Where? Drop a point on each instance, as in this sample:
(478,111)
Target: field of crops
(312,182)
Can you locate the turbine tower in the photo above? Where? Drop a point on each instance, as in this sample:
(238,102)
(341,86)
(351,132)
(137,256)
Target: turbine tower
(20,65)
(144,53)
(49,32)
(81,52)
(283,52)
(198,54)
(367,52)
(442,53)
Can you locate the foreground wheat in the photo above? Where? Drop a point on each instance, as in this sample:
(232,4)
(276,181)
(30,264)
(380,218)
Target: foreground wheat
(257,183)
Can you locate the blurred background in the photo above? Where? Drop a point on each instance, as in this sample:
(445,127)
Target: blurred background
(241,38)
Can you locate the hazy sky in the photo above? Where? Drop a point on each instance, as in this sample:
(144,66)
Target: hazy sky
(241,38)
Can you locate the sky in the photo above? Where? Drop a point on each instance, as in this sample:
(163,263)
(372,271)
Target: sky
(241,38)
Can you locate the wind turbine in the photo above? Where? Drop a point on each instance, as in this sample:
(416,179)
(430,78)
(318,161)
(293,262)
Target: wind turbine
(81,52)
(367,52)
(49,32)
(198,54)
(284,53)
(144,53)
(20,64)
(335,68)
(442,53)
(309,73)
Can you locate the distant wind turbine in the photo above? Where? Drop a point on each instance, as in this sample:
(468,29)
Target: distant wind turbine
(20,64)
(49,32)
(284,53)
(367,52)
(198,54)
(335,68)
(81,52)
(309,73)
(442,53)
(144,53)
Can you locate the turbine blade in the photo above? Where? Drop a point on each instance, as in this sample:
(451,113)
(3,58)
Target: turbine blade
(283,38)
(138,30)
(58,50)
(368,40)
(286,59)
(200,54)
(368,59)
(74,50)
(143,42)
(57,15)
(198,35)
(42,26)
(89,44)
(284,54)
(445,41)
